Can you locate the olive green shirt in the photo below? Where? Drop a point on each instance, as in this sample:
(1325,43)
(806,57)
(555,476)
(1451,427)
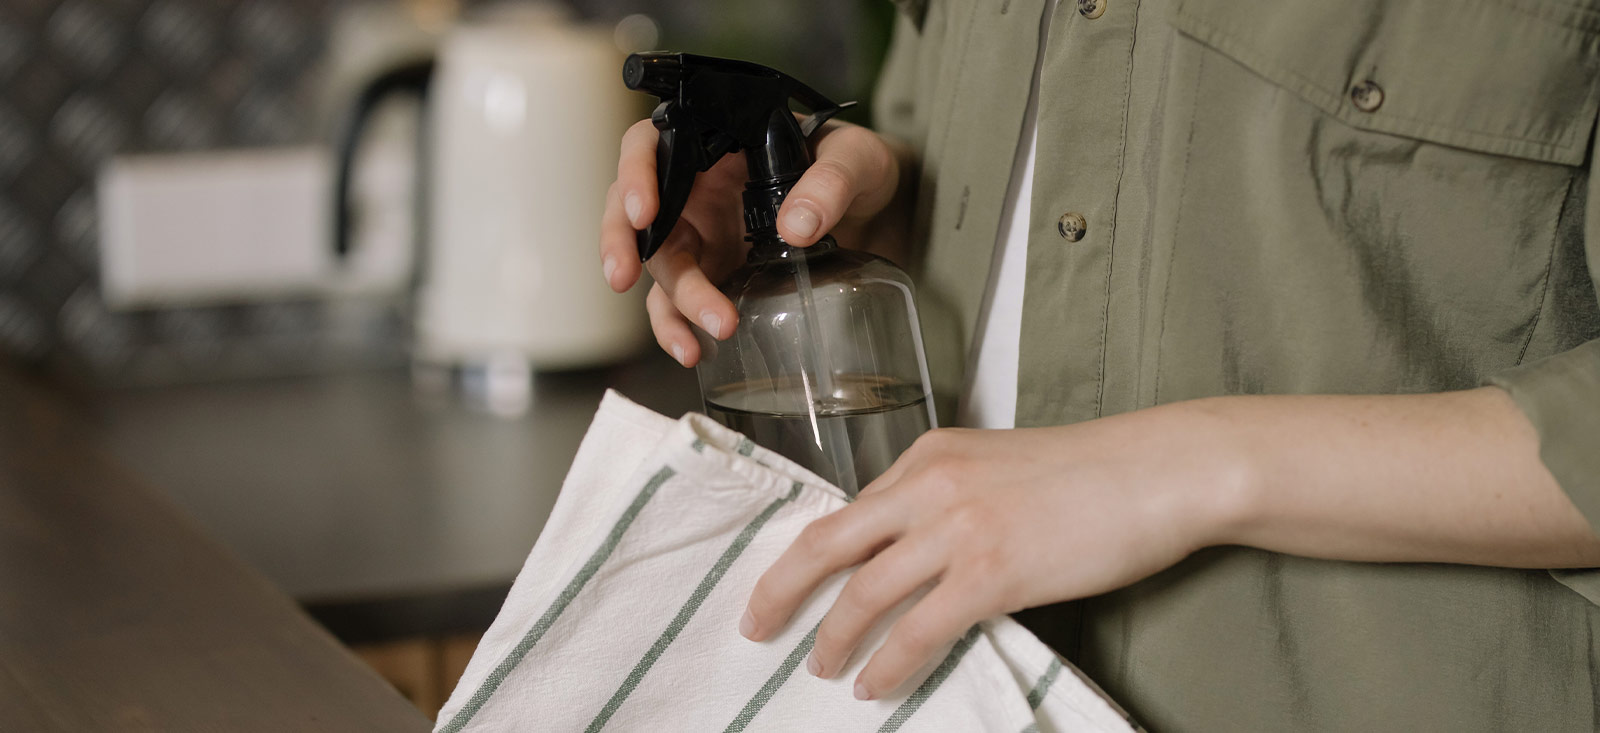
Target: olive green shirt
(1286,196)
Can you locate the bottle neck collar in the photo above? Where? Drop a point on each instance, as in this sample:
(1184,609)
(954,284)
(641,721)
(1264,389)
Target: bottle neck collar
(773,248)
(774,167)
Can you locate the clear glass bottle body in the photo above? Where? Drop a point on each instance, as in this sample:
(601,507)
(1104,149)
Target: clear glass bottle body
(826,364)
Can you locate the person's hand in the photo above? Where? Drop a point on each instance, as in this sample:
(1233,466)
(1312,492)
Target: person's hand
(998,521)
(854,177)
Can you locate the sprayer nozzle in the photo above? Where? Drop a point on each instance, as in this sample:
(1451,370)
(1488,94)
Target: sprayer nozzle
(657,73)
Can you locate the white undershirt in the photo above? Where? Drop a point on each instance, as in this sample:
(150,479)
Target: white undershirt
(990,397)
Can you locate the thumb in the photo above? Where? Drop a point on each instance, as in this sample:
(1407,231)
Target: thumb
(854,176)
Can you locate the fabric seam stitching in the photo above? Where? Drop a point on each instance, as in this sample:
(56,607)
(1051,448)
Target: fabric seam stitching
(1111,234)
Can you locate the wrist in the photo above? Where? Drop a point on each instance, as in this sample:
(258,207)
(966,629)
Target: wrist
(1226,501)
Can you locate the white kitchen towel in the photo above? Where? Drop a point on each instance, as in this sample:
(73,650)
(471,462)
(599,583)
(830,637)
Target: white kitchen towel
(625,615)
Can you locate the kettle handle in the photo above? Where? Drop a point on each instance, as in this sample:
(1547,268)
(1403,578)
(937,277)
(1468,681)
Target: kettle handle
(412,78)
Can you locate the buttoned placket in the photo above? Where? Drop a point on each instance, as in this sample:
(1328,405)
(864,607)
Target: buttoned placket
(1082,105)
(975,131)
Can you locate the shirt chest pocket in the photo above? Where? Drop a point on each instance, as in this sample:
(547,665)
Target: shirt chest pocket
(1372,196)
(1510,77)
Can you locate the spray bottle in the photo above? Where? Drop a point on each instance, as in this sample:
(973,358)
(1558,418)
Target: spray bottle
(825,365)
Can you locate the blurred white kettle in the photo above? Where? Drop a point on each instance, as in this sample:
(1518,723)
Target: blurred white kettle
(522,117)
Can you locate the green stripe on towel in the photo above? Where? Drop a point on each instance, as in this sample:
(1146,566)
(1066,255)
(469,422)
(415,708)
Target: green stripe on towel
(685,613)
(501,671)
(936,678)
(1036,695)
(779,677)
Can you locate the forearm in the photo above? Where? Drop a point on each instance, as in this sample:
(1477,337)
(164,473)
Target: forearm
(1453,477)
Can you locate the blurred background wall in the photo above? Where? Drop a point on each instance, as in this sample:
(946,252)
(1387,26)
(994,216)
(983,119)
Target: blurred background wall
(84,80)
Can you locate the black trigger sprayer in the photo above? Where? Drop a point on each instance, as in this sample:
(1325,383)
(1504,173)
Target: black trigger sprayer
(825,365)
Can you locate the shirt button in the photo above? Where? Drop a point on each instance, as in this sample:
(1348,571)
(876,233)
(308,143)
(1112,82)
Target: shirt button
(1091,9)
(1072,226)
(1367,96)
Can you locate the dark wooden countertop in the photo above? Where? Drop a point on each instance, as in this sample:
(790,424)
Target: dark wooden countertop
(387,512)
(118,613)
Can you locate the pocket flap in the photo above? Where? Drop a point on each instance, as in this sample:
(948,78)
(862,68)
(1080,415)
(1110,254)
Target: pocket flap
(1509,77)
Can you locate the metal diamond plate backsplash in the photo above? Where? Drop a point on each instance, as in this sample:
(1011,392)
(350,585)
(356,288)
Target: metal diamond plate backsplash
(81,80)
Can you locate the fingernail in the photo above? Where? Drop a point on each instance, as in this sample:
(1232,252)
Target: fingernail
(813,666)
(862,693)
(608,267)
(747,625)
(632,205)
(677,353)
(800,222)
(712,322)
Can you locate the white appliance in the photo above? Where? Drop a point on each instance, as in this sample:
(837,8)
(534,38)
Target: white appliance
(522,112)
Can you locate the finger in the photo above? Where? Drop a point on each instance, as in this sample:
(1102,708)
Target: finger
(636,174)
(714,210)
(672,332)
(852,164)
(878,164)
(824,547)
(943,615)
(676,268)
(619,253)
(876,587)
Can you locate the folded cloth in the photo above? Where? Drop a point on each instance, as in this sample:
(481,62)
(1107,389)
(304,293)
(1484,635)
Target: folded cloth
(625,615)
